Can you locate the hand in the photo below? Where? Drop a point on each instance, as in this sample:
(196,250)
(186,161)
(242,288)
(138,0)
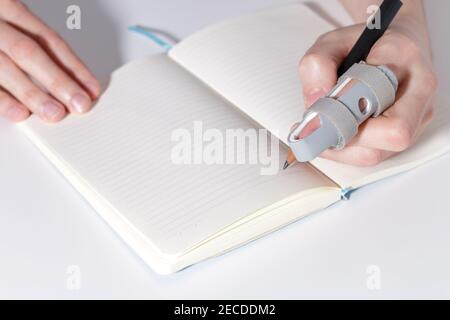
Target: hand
(39,73)
(406,51)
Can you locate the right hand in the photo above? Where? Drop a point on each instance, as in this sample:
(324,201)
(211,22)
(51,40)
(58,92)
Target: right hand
(405,50)
(30,53)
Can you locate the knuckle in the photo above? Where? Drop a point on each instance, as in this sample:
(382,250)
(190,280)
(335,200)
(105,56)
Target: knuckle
(431,80)
(324,37)
(31,96)
(383,50)
(386,45)
(4,60)
(396,47)
(369,157)
(400,135)
(409,47)
(429,84)
(23,49)
(309,60)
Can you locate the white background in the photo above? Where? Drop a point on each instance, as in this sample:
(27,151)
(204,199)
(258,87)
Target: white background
(401,225)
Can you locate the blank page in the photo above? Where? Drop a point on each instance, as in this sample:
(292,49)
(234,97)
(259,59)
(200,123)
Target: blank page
(253,62)
(122,150)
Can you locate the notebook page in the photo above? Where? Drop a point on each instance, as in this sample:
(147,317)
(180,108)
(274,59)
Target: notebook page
(123,148)
(433,143)
(253,62)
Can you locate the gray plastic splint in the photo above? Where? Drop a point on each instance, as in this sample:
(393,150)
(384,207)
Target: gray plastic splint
(363,91)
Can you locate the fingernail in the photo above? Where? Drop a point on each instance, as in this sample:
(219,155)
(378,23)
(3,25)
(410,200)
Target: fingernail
(81,103)
(313,96)
(51,110)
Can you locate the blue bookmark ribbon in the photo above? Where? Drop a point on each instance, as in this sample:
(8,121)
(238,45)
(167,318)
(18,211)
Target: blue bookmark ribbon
(152,36)
(346,193)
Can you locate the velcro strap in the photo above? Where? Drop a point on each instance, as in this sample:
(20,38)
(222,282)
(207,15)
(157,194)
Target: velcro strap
(377,81)
(339,116)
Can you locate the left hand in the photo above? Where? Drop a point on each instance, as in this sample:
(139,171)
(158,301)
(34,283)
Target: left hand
(39,73)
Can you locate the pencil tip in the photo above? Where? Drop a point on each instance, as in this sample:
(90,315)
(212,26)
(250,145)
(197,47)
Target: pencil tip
(286,165)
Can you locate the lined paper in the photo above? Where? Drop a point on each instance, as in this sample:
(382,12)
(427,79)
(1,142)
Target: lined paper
(123,148)
(253,62)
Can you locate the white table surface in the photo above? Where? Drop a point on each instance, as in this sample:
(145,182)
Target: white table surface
(401,225)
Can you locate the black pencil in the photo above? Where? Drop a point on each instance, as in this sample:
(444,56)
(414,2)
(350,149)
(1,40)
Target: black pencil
(360,51)
(387,12)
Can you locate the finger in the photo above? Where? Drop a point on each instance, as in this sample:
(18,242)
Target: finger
(362,156)
(397,128)
(358,156)
(390,133)
(16,13)
(11,109)
(23,89)
(30,57)
(318,68)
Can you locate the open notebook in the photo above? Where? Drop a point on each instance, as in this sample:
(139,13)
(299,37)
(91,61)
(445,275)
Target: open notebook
(238,74)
